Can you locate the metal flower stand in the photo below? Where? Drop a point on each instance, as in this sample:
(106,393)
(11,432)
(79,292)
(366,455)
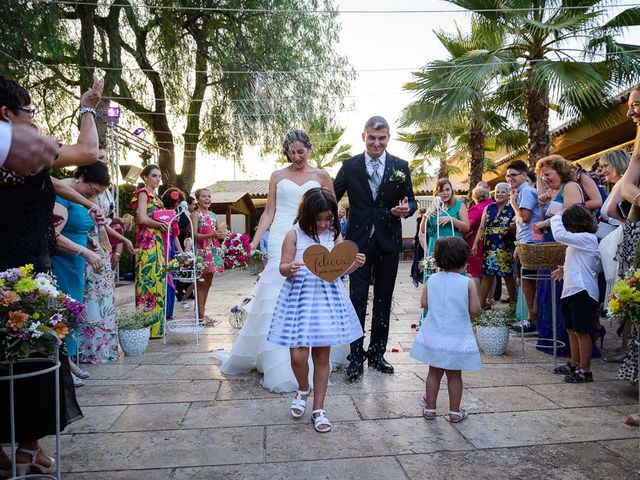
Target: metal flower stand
(54,363)
(183,326)
(554,342)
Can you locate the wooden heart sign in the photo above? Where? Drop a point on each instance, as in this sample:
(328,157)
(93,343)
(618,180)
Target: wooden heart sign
(329,265)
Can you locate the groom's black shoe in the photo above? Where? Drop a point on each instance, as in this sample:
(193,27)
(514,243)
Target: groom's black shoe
(379,363)
(355,368)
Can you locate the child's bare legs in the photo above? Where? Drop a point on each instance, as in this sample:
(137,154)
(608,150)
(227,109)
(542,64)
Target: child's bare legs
(203,285)
(434,377)
(574,347)
(585,343)
(454,385)
(321,370)
(300,367)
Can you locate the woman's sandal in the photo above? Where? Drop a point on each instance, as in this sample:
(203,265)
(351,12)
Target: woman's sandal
(320,421)
(429,413)
(34,466)
(209,322)
(298,404)
(462,415)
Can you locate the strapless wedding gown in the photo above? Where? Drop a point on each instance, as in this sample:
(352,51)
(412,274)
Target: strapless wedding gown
(251,349)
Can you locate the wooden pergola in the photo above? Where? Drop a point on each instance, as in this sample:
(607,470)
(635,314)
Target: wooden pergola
(227,203)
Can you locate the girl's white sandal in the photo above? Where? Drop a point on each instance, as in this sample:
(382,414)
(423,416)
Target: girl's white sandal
(320,421)
(298,405)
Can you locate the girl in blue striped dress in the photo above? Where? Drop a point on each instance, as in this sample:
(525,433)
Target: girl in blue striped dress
(311,313)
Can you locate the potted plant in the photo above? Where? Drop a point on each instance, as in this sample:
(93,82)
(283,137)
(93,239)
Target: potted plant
(134,330)
(492,327)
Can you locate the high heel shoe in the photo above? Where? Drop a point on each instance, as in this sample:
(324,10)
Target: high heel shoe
(34,466)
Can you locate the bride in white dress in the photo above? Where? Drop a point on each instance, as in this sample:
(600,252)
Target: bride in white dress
(251,349)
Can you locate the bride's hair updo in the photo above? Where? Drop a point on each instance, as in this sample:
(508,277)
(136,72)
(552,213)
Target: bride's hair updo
(295,136)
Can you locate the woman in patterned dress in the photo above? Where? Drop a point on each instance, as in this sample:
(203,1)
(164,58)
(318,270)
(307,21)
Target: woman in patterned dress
(497,231)
(97,335)
(207,232)
(150,262)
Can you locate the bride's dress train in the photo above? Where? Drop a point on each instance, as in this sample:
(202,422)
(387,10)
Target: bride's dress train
(251,349)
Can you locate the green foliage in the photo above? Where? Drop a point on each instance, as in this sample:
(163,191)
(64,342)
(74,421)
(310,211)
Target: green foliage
(212,77)
(135,319)
(542,66)
(496,318)
(453,116)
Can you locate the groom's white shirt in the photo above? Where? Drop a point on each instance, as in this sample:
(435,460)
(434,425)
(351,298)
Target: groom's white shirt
(382,159)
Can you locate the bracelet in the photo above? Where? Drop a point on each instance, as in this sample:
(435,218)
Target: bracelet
(84,110)
(116,253)
(635,199)
(79,251)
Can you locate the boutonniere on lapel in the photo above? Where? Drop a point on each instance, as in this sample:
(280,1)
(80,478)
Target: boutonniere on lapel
(398,175)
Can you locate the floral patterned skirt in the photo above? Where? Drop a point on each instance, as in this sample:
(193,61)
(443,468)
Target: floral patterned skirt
(212,255)
(97,336)
(150,283)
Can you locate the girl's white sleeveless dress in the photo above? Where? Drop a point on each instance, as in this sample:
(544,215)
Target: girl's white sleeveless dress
(251,350)
(311,312)
(445,339)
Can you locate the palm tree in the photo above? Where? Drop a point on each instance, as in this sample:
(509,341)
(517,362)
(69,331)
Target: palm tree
(462,115)
(540,46)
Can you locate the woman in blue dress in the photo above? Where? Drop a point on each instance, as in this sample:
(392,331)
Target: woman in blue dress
(452,222)
(73,229)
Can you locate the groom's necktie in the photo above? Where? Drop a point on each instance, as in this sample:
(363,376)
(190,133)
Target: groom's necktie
(374,182)
(375,177)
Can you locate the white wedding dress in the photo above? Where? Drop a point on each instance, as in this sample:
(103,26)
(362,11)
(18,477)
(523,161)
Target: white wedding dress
(251,349)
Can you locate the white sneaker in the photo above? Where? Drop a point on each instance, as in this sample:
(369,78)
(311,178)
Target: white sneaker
(185,305)
(77,382)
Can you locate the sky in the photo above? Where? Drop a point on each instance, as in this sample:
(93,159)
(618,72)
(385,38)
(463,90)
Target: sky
(383,49)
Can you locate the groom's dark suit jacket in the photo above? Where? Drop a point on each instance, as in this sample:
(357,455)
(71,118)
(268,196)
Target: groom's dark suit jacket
(365,211)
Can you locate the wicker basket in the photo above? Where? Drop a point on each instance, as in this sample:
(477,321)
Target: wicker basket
(541,256)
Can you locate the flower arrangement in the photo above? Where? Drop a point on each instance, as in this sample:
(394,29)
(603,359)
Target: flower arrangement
(398,175)
(238,314)
(428,265)
(34,315)
(182,265)
(496,318)
(625,297)
(235,250)
(135,319)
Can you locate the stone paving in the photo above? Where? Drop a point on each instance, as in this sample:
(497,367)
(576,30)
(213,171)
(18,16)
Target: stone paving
(171,414)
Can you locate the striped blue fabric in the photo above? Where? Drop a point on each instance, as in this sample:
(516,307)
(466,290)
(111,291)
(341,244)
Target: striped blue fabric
(310,312)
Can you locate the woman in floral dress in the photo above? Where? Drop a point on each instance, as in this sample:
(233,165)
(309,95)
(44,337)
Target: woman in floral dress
(150,261)
(207,232)
(497,230)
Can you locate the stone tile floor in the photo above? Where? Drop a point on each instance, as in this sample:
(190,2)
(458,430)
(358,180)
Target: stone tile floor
(171,414)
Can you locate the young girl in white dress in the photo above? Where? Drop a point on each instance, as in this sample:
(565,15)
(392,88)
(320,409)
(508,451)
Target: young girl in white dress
(445,341)
(311,313)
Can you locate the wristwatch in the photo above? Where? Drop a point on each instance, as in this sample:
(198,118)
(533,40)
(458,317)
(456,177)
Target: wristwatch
(84,110)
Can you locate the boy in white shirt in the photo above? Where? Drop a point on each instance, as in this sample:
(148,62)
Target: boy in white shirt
(579,300)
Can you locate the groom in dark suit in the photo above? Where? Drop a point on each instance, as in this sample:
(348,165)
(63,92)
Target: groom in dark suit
(380,193)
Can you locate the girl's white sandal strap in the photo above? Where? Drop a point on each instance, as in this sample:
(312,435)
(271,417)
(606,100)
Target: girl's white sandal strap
(298,406)
(320,420)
